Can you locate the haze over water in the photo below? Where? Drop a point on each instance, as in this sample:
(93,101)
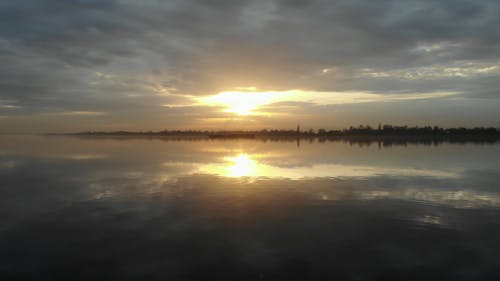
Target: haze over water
(159,209)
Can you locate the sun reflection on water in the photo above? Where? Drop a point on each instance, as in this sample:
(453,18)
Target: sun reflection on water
(241,166)
(256,166)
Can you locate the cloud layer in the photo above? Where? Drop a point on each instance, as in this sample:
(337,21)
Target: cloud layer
(123,60)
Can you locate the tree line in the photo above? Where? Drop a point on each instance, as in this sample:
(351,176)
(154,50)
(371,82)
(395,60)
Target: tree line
(361,130)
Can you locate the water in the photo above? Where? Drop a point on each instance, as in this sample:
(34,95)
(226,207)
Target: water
(153,209)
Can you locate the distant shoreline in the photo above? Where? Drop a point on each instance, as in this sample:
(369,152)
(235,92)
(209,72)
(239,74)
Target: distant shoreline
(363,131)
(360,134)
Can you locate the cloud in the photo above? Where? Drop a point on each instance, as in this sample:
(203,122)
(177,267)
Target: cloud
(458,69)
(124,56)
(80,113)
(256,102)
(5,104)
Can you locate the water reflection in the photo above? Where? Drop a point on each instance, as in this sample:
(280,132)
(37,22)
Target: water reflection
(245,165)
(453,198)
(240,165)
(142,209)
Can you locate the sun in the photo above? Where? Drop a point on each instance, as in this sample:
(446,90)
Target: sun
(239,102)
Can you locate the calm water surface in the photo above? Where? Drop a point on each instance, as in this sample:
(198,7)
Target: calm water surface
(153,209)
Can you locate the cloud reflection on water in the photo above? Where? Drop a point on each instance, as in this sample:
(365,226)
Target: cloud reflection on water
(152,210)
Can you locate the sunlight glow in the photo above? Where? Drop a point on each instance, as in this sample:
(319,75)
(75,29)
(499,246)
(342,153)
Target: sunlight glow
(241,166)
(239,102)
(249,101)
(251,165)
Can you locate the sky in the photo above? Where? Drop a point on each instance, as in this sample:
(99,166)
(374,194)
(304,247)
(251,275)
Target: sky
(103,65)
